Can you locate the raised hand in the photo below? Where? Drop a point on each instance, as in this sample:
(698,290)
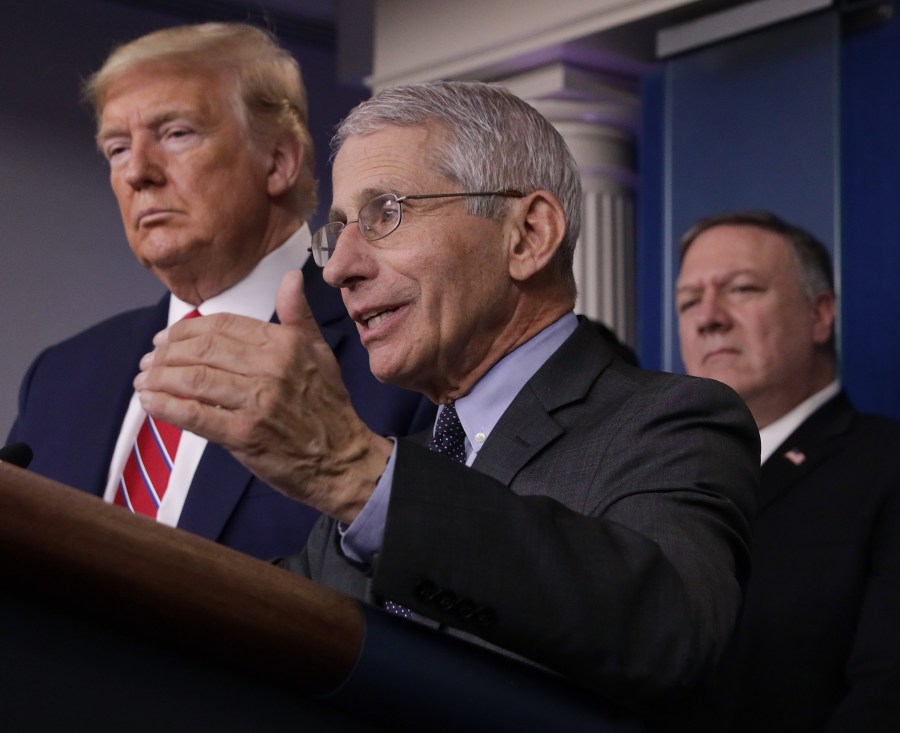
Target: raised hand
(272,395)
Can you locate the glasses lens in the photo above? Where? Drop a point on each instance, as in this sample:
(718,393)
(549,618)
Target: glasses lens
(324,240)
(379,217)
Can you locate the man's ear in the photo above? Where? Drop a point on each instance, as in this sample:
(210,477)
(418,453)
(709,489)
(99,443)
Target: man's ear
(539,226)
(824,308)
(286,161)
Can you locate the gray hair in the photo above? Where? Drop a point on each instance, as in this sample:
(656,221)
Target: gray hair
(269,84)
(492,141)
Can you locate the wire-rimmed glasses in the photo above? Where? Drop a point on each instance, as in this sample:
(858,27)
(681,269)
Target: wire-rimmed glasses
(379,217)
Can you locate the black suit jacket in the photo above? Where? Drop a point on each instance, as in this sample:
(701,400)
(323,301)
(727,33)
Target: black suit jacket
(75,395)
(818,647)
(603,530)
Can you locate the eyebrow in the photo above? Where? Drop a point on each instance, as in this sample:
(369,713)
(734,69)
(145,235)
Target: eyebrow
(729,276)
(154,122)
(362,197)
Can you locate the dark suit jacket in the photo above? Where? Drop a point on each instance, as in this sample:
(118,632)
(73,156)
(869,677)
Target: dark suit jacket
(818,647)
(75,395)
(603,530)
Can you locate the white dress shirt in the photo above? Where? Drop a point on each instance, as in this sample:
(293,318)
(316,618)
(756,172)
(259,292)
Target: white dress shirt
(254,296)
(774,434)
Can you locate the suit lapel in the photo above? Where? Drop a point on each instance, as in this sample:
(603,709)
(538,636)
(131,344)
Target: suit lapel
(523,431)
(810,444)
(113,375)
(216,489)
(528,425)
(221,480)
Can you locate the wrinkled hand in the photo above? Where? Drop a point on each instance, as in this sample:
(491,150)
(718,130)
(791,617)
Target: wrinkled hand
(272,395)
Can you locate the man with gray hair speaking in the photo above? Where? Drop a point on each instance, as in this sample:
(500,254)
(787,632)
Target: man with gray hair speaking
(568,508)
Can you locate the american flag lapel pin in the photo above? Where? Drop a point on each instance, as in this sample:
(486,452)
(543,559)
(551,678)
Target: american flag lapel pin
(795,456)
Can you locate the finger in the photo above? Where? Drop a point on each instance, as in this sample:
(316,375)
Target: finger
(217,325)
(200,383)
(291,304)
(293,311)
(229,344)
(208,421)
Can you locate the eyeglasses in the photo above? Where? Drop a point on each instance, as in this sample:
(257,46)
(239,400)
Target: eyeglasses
(378,218)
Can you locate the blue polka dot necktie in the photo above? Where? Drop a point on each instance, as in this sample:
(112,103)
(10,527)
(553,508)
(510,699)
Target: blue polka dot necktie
(449,437)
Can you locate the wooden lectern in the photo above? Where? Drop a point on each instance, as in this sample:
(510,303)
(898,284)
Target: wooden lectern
(112,622)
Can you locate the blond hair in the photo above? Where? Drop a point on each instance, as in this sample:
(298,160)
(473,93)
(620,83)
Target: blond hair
(267,78)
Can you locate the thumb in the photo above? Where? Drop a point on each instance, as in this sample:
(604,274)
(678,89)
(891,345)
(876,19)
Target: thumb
(290,302)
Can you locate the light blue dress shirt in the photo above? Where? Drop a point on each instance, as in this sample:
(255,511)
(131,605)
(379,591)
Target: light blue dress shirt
(479,411)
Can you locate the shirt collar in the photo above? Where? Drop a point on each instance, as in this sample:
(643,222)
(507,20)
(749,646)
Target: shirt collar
(774,434)
(254,296)
(481,409)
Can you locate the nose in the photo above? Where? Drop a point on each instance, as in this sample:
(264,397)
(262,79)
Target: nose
(352,261)
(143,168)
(711,315)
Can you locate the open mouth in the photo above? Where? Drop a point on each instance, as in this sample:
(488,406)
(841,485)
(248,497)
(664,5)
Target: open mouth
(374,320)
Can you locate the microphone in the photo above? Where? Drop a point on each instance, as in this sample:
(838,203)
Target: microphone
(19,454)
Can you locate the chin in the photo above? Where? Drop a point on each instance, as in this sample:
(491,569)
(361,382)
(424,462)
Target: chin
(395,379)
(398,375)
(736,383)
(383,372)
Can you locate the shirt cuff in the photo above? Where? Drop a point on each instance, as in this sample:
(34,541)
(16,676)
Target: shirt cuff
(362,538)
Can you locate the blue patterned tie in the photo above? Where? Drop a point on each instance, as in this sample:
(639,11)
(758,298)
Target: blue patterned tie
(449,437)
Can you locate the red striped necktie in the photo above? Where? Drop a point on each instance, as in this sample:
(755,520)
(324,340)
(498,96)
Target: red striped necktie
(149,466)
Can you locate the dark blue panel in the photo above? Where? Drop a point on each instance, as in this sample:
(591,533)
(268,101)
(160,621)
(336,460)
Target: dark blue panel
(752,123)
(871,220)
(650,235)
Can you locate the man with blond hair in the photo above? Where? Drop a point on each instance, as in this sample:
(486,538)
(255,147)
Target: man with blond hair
(205,131)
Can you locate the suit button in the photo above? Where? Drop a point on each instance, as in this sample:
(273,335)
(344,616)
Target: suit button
(445,600)
(425,590)
(465,609)
(485,617)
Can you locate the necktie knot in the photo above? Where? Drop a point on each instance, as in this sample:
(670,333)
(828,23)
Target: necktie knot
(449,437)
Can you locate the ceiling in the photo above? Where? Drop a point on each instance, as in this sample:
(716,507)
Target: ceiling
(310,22)
(315,22)
(316,9)
(293,18)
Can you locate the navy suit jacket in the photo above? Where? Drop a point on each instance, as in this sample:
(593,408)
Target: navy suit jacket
(75,395)
(818,648)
